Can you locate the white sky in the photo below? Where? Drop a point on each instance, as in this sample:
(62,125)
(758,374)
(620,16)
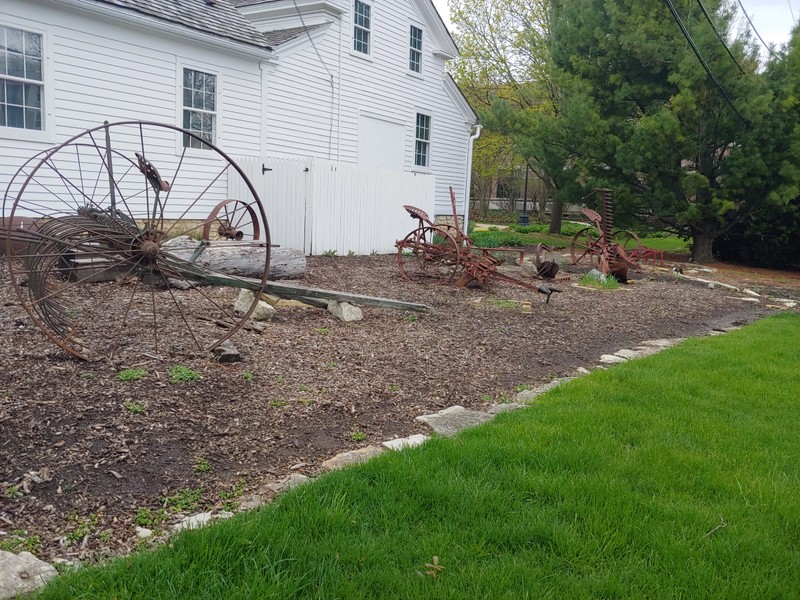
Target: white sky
(772,18)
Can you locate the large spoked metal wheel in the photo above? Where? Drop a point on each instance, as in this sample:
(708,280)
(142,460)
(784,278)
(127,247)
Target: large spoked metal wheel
(91,220)
(429,253)
(629,243)
(585,246)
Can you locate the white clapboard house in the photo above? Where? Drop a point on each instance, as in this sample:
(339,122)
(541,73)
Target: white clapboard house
(339,111)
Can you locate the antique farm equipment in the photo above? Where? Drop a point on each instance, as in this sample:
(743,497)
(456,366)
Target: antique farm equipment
(87,224)
(445,253)
(232,220)
(612,252)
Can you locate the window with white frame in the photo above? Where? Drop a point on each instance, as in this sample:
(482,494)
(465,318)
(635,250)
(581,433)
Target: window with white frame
(21,79)
(422,146)
(362,23)
(199,107)
(415,50)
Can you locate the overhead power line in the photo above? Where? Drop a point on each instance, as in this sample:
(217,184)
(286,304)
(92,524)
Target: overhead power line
(719,37)
(699,56)
(753,27)
(331,81)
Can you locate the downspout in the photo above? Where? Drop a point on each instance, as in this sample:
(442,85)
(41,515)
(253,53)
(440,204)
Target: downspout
(339,94)
(468,187)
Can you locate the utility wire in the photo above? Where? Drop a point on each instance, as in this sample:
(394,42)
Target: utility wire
(699,56)
(332,80)
(746,16)
(719,37)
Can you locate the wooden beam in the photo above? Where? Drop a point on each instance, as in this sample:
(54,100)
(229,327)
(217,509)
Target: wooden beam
(283,289)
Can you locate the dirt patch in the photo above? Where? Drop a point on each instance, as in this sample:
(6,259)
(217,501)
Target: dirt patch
(83,453)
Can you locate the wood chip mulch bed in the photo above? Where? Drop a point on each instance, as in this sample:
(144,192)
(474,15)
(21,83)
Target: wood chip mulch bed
(83,453)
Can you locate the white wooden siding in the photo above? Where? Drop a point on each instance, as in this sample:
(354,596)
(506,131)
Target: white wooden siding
(302,119)
(318,205)
(103,70)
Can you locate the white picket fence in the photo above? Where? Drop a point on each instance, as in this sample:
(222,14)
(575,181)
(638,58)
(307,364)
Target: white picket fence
(322,206)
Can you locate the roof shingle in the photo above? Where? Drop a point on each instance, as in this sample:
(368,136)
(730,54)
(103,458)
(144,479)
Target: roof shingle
(281,36)
(220,19)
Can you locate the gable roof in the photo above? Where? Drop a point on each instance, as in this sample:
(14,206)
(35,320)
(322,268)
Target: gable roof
(219,19)
(446,46)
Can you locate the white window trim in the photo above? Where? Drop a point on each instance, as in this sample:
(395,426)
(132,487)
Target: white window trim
(48,131)
(218,140)
(353,52)
(409,70)
(414,166)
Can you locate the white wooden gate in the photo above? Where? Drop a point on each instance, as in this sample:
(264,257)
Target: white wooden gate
(323,206)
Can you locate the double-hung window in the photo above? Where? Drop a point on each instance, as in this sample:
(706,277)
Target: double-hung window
(415,50)
(422,146)
(362,23)
(21,79)
(199,107)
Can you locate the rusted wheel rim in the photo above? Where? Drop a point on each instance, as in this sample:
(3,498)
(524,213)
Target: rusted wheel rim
(429,253)
(232,220)
(585,243)
(103,213)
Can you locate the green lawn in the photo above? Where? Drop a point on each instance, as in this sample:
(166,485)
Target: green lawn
(674,476)
(667,244)
(492,239)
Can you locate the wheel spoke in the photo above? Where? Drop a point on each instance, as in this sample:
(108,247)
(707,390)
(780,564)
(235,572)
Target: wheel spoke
(197,199)
(97,224)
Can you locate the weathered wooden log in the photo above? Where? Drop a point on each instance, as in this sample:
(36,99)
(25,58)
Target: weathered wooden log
(241,259)
(185,269)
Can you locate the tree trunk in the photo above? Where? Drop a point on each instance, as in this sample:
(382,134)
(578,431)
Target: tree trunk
(243,260)
(555,218)
(701,247)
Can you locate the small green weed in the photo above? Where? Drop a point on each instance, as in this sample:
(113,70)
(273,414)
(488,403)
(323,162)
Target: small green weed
(186,500)
(304,388)
(104,536)
(277,403)
(84,526)
(133,407)
(394,387)
(20,541)
(522,387)
(351,253)
(329,253)
(322,330)
(374,253)
(306,401)
(331,364)
(179,374)
(13,492)
(485,398)
(357,436)
(248,376)
(131,374)
(146,517)
(280,380)
(202,465)
(230,498)
(410,318)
